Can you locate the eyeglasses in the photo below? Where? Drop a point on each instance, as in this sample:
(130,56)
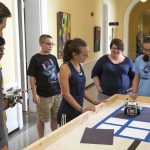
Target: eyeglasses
(146,50)
(50,44)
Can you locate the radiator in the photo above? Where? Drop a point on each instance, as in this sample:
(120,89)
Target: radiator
(87,67)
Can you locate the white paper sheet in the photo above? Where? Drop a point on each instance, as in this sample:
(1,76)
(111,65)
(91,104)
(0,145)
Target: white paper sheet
(117,121)
(135,133)
(107,126)
(139,124)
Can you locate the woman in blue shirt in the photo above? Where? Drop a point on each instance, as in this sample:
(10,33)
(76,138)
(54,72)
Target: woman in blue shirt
(112,73)
(72,80)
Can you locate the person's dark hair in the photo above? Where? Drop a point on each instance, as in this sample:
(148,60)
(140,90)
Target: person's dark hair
(2,41)
(118,43)
(43,37)
(72,46)
(145,41)
(4,12)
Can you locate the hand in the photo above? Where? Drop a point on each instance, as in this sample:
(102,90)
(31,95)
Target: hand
(99,89)
(96,102)
(36,99)
(5,103)
(133,95)
(89,108)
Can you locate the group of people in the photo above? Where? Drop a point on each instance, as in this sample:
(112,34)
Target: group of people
(47,85)
(59,92)
(116,74)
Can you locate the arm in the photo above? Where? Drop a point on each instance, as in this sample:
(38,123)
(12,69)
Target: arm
(97,83)
(96,73)
(135,84)
(58,75)
(131,72)
(5,104)
(5,147)
(35,97)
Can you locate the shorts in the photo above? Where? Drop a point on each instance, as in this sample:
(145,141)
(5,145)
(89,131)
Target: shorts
(3,140)
(48,107)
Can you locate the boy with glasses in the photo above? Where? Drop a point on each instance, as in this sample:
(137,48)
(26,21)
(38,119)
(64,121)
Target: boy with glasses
(43,70)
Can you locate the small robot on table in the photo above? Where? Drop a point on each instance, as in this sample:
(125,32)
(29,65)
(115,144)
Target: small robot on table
(131,108)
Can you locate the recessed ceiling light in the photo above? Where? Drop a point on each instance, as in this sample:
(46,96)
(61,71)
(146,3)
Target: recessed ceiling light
(143,0)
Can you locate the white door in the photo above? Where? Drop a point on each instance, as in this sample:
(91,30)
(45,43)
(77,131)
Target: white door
(32,31)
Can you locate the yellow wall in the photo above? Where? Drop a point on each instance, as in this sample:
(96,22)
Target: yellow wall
(146,23)
(82,24)
(133,26)
(8,60)
(117,10)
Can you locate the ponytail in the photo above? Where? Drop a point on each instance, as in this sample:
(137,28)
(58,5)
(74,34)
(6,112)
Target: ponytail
(67,51)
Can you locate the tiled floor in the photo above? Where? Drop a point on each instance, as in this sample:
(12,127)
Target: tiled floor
(24,137)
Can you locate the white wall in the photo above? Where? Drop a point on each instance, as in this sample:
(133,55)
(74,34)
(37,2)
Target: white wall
(33,23)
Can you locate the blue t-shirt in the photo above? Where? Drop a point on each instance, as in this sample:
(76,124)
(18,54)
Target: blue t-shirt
(114,78)
(142,69)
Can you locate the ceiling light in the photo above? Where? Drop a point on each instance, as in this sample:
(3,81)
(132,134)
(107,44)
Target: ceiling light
(143,1)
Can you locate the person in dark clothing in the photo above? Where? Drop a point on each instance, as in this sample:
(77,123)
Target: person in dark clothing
(72,80)
(43,74)
(4,14)
(112,73)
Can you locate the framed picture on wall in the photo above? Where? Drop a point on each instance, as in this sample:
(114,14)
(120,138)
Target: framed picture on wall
(63,31)
(97,36)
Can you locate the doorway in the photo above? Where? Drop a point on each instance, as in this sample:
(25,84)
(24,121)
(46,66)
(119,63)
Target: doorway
(30,28)
(22,44)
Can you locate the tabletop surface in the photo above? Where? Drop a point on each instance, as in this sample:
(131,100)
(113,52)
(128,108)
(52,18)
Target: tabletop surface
(129,132)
